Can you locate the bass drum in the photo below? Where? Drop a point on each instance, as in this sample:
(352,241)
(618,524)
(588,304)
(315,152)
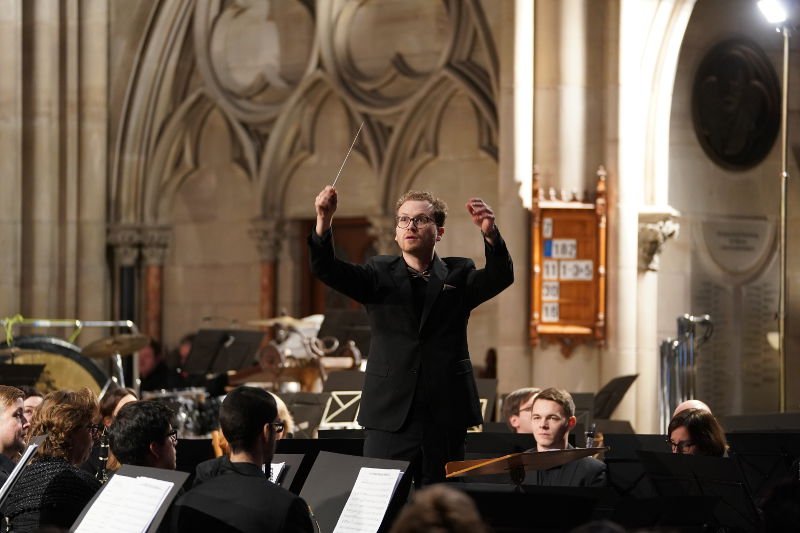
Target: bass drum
(65,367)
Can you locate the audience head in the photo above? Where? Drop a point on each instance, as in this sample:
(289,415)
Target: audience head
(439,509)
(552,418)
(142,435)
(149,357)
(691,404)
(696,432)
(33,399)
(517,409)
(13,424)
(69,420)
(113,401)
(247,418)
(284,416)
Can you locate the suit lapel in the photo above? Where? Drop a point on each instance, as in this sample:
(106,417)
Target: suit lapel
(435,284)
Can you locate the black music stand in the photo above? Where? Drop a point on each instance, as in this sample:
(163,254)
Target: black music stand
(218,350)
(764,458)
(541,509)
(487,391)
(347,325)
(306,409)
(17,375)
(624,470)
(584,415)
(611,394)
(288,478)
(679,475)
(331,481)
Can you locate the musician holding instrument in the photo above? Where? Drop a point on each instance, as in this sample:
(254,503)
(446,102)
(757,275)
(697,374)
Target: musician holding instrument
(13,428)
(419,393)
(142,435)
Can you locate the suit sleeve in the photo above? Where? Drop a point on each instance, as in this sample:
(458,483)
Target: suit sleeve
(497,275)
(298,519)
(355,281)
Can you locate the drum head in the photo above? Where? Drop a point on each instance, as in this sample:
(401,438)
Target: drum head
(65,367)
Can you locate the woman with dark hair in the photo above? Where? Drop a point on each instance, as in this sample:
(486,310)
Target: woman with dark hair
(52,490)
(696,432)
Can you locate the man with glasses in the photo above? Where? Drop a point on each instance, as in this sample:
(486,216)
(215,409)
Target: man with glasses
(142,435)
(234,493)
(517,409)
(13,427)
(419,394)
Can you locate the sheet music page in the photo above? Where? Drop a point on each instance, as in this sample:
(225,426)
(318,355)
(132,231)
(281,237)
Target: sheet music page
(125,505)
(275,470)
(364,510)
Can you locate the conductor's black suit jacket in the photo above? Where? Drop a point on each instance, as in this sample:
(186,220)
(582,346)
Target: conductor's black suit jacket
(405,348)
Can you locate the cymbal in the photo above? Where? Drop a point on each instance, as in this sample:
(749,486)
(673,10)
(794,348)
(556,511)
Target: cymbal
(283,321)
(122,344)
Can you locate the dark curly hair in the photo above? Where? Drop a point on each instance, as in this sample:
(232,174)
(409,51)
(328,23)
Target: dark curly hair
(61,414)
(137,425)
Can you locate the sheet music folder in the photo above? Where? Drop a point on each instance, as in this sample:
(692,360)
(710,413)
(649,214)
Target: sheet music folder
(176,477)
(331,481)
(517,464)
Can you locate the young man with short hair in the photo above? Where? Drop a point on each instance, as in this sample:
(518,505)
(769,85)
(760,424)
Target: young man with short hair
(142,435)
(234,493)
(552,418)
(13,429)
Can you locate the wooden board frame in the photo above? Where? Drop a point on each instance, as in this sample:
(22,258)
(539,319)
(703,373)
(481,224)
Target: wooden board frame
(565,235)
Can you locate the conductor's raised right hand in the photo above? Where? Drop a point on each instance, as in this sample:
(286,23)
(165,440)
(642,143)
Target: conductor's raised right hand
(325,205)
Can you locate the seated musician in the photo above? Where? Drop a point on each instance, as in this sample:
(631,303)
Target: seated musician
(100,460)
(691,404)
(52,491)
(33,399)
(234,493)
(552,418)
(697,432)
(13,429)
(142,435)
(517,409)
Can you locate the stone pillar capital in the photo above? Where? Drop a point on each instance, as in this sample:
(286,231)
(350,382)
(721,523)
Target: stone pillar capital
(382,227)
(268,234)
(655,229)
(155,241)
(125,239)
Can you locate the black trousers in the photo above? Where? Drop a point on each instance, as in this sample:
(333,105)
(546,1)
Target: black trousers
(428,445)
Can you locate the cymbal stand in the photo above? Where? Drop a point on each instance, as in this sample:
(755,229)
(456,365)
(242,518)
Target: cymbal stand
(119,378)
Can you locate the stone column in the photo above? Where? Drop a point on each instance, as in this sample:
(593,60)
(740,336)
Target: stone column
(155,241)
(382,228)
(125,239)
(267,233)
(42,154)
(10,155)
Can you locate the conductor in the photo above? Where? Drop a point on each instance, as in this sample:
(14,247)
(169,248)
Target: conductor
(419,393)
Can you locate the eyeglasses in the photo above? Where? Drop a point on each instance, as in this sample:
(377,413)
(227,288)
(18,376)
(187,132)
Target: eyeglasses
(680,446)
(173,435)
(279,426)
(419,221)
(525,409)
(95,429)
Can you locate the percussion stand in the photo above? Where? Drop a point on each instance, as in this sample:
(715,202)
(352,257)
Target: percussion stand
(119,379)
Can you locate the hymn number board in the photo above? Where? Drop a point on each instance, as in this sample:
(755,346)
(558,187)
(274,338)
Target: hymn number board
(568,285)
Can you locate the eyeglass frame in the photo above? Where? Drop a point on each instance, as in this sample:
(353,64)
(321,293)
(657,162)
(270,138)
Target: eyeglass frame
(279,426)
(679,446)
(172,435)
(419,221)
